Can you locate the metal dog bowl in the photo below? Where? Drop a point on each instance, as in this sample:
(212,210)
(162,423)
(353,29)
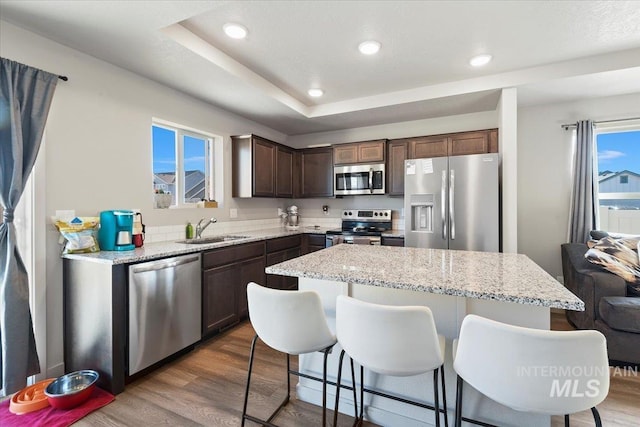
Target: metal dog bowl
(72,389)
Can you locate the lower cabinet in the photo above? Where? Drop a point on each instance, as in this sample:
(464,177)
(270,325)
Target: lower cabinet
(279,250)
(392,241)
(313,242)
(225,274)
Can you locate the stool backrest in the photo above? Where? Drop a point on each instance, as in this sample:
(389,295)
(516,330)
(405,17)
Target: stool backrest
(389,340)
(549,372)
(289,321)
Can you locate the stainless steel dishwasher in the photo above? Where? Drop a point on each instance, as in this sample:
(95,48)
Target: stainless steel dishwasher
(165,307)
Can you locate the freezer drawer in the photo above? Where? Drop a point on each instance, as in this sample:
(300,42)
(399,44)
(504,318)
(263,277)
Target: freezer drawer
(164,309)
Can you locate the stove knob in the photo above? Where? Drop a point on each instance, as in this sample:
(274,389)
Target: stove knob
(386,214)
(375,214)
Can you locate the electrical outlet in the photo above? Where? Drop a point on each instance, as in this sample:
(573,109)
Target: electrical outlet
(233,213)
(560,279)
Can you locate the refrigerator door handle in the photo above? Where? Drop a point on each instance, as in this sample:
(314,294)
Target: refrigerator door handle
(452,192)
(443,206)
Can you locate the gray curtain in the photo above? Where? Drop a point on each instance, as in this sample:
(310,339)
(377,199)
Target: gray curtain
(25,98)
(583,208)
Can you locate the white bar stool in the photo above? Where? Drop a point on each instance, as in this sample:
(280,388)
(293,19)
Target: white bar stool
(532,370)
(292,322)
(390,340)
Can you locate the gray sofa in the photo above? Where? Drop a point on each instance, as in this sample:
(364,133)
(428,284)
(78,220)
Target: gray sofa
(608,306)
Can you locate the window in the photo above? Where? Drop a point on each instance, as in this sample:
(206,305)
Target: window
(619,178)
(183,165)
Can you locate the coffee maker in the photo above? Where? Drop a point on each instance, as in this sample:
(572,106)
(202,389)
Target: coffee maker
(116,230)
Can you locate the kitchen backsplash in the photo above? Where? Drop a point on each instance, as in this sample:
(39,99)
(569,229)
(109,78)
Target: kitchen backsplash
(177,232)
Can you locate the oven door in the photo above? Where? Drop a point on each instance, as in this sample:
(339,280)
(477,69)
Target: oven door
(359,179)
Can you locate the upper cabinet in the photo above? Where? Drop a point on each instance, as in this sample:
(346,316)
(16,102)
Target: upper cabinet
(424,147)
(317,172)
(397,153)
(359,152)
(261,168)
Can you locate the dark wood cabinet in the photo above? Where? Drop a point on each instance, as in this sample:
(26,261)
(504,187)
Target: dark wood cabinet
(261,168)
(397,153)
(317,172)
(454,144)
(284,172)
(313,242)
(428,146)
(264,167)
(464,143)
(226,272)
(359,152)
(392,241)
(279,250)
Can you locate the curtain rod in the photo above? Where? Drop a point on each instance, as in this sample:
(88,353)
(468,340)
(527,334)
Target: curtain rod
(572,125)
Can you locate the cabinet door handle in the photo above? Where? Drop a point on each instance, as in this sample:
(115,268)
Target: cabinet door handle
(452,205)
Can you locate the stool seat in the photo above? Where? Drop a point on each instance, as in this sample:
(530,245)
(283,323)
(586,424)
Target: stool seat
(391,340)
(292,322)
(531,370)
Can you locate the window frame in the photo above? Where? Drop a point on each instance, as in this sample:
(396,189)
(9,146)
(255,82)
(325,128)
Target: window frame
(211,154)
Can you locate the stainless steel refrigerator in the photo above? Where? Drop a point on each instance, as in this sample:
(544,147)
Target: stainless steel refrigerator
(452,203)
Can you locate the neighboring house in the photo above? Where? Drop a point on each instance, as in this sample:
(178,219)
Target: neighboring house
(619,182)
(165,181)
(194,184)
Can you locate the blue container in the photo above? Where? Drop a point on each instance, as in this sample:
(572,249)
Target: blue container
(116,230)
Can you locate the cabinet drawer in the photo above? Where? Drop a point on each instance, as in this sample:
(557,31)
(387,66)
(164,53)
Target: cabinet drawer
(281,243)
(317,239)
(222,256)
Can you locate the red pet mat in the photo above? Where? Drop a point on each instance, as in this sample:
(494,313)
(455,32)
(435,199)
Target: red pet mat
(51,417)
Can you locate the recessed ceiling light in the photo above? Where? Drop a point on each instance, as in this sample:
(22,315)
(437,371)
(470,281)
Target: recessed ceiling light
(370,47)
(480,60)
(235,31)
(315,92)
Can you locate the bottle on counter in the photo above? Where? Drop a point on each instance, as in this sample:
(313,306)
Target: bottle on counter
(189,231)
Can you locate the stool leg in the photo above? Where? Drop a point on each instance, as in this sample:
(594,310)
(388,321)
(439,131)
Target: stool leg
(436,404)
(335,412)
(444,397)
(596,417)
(459,385)
(324,388)
(361,417)
(288,378)
(566,420)
(246,391)
(353,382)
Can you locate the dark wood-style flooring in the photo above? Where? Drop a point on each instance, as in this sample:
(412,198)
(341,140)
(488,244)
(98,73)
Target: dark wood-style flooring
(206,387)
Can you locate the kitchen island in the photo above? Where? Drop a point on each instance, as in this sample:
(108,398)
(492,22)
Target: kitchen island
(505,287)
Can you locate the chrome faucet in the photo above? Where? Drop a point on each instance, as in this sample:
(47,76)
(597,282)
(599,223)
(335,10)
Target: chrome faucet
(200,228)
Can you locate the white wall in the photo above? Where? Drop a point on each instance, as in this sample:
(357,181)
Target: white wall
(98,149)
(544,171)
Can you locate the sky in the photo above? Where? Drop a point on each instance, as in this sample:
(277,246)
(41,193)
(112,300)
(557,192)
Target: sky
(164,155)
(619,151)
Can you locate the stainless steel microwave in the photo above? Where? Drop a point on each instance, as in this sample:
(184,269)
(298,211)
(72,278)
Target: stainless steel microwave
(358,179)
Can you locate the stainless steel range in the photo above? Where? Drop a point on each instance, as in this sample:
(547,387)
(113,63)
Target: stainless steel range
(361,227)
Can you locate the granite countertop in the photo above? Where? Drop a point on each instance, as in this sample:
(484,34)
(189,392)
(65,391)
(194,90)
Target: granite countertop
(151,251)
(484,275)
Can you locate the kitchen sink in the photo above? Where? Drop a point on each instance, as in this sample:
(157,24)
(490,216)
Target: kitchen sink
(213,239)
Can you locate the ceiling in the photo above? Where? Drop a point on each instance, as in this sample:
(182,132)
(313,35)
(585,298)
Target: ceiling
(551,51)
